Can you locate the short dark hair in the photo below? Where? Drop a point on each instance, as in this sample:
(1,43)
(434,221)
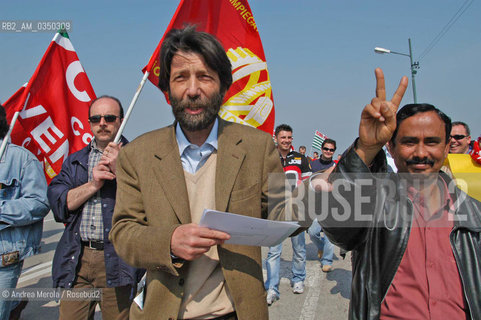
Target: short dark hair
(460,123)
(282,127)
(3,123)
(302,147)
(331,141)
(412,109)
(121,114)
(202,43)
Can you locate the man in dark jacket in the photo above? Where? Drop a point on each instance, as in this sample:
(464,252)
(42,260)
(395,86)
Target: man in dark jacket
(415,236)
(325,161)
(83,198)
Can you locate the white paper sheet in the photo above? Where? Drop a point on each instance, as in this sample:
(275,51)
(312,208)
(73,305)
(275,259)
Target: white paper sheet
(248,230)
(139,299)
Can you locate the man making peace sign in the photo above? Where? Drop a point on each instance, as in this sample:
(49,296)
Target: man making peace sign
(415,236)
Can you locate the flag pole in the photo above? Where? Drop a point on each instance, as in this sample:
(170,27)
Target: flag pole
(131,106)
(7,136)
(10,129)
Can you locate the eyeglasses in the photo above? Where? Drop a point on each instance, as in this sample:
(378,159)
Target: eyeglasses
(108,118)
(458,137)
(328,149)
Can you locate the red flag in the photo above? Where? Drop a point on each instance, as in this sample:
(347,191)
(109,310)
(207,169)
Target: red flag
(19,135)
(53,119)
(249,100)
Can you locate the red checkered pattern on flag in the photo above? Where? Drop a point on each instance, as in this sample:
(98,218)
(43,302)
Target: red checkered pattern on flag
(53,119)
(249,100)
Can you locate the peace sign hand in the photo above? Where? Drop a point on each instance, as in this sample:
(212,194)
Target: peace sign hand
(378,119)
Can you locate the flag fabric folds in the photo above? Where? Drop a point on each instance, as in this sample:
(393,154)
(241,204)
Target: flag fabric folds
(249,100)
(18,133)
(53,105)
(318,140)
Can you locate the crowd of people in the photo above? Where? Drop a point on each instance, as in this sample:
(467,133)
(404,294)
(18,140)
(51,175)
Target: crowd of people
(131,210)
(297,168)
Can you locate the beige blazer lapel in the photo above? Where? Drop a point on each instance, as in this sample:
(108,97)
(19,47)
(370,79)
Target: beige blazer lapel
(230,156)
(169,173)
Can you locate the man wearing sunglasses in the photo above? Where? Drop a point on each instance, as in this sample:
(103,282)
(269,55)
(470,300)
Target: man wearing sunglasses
(82,196)
(325,161)
(460,138)
(325,249)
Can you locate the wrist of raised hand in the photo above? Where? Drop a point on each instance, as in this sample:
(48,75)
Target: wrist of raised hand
(367,153)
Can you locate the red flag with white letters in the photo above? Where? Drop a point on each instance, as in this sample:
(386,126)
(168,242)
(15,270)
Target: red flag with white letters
(249,100)
(19,134)
(53,119)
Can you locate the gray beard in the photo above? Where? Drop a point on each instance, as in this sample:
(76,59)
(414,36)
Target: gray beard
(196,122)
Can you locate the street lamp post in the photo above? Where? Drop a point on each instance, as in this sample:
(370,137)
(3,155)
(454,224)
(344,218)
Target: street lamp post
(414,64)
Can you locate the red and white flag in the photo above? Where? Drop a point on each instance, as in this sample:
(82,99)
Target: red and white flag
(318,140)
(249,100)
(53,105)
(19,134)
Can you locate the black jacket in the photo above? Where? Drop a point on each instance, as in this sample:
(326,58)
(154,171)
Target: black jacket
(378,245)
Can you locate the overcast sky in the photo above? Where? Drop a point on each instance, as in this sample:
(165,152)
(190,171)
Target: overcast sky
(320,55)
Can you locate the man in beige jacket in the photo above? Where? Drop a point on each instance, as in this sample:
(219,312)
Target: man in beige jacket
(167,177)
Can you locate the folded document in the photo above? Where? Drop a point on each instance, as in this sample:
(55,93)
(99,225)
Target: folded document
(248,230)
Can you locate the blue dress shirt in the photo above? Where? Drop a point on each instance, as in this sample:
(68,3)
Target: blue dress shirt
(192,156)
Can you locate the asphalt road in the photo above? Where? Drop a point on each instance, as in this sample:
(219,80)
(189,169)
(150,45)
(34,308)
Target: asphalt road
(326,295)
(36,272)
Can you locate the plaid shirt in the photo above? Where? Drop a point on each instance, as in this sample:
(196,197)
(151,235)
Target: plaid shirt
(92,225)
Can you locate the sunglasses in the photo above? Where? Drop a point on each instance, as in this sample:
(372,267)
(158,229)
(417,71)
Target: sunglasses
(328,149)
(108,118)
(458,137)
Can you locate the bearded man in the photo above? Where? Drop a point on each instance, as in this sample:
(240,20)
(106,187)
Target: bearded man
(167,177)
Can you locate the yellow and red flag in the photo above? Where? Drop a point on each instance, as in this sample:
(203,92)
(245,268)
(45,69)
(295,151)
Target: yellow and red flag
(249,101)
(466,172)
(53,105)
